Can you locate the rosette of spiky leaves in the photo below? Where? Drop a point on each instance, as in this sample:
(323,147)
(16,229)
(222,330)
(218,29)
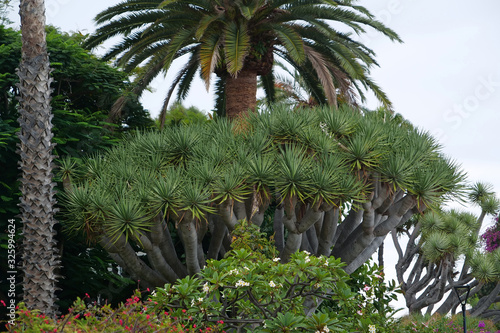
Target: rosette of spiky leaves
(207,171)
(485,267)
(83,206)
(127,217)
(436,246)
(182,142)
(447,232)
(431,222)
(326,180)
(68,170)
(293,173)
(480,191)
(490,205)
(288,127)
(435,181)
(262,174)
(231,186)
(196,199)
(94,166)
(338,124)
(164,192)
(407,150)
(365,148)
(459,232)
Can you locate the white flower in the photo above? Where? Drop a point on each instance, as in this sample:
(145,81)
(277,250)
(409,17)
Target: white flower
(372,328)
(200,299)
(326,329)
(241,283)
(325,264)
(308,259)
(246,268)
(153,293)
(233,271)
(276,259)
(317,285)
(206,288)
(272,284)
(308,253)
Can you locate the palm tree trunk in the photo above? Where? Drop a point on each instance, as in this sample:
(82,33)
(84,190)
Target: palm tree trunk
(40,259)
(241,93)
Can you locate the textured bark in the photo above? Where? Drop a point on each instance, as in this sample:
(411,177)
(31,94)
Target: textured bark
(131,262)
(40,258)
(241,92)
(218,232)
(187,230)
(485,302)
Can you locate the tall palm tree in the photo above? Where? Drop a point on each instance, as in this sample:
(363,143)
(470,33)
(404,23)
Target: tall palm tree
(238,41)
(37,202)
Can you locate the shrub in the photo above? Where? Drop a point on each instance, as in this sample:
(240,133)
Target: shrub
(252,290)
(131,316)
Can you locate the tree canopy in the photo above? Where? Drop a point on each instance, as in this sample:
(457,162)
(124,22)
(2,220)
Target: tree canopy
(239,40)
(337,183)
(84,88)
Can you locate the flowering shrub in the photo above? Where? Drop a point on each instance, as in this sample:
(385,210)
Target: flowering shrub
(132,316)
(492,237)
(251,289)
(371,309)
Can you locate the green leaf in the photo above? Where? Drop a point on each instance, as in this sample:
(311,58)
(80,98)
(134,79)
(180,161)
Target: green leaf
(237,44)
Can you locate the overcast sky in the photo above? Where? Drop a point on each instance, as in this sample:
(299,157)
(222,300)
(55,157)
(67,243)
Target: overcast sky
(444,78)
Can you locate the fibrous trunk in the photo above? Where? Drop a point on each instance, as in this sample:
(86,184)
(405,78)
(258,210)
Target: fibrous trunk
(40,260)
(241,93)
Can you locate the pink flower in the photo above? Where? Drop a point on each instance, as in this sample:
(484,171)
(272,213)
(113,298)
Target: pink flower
(359,312)
(366,288)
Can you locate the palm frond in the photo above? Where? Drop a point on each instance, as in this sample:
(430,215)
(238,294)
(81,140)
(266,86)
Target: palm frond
(236,47)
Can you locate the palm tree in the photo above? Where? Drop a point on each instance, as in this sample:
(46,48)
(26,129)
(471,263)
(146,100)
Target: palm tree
(37,202)
(238,41)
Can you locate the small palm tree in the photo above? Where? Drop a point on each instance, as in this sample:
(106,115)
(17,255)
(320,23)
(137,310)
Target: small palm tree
(37,202)
(238,41)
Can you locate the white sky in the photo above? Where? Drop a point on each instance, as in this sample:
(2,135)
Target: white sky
(444,78)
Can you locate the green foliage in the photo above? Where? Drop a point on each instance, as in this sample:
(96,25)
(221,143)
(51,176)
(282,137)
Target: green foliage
(225,39)
(373,297)
(178,114)
(299,159)
(251,289)
(130,316)
(84,88)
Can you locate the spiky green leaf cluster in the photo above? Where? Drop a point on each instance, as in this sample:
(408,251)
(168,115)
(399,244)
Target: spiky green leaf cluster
(320,157)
